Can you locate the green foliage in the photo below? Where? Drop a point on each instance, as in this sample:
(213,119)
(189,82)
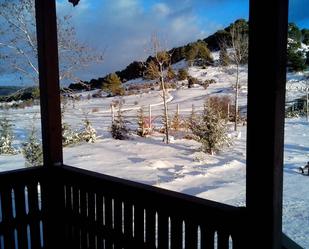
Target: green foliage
(210,130)
(88,134)
(198,53)
(152,71)
(305,35)
(170,74)
(182,74)
(296,57)
(69,137)
(6,137)
(176,121)
(224,59)
(113,85)
(32,149)
(119,128)
(294,33)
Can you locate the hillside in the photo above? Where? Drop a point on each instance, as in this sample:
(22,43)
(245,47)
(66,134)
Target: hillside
(7,90)
(298,54)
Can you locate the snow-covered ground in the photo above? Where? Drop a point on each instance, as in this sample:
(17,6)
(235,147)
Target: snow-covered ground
(180,166)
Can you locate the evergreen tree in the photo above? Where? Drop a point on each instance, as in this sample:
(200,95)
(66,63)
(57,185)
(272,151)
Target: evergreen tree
(152,71)
(141,130)
(198,51)
(210,130)
(6,137)
(89,134)
(170,74)
(294,33)
(182,74)
(176,121)
(32,149)
(296,57)
(305,36)
(224,58)
(119,129)
(113,85)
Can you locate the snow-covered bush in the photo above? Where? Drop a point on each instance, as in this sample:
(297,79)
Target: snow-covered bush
(210,130)
(141,130)
(32,150)
(119,129)
(69,136)
(6,137)
(88,134)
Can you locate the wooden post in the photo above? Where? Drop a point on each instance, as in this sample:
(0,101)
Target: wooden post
(49,82)
(228,111)
(266,122)
(51,188)
(177,110)
(150,122)
(113,113)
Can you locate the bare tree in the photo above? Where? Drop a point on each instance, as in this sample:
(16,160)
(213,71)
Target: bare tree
(162,60)
(18,44)
(238,42)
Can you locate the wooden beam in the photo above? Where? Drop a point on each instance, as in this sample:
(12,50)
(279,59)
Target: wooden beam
(265,136)
(49,81)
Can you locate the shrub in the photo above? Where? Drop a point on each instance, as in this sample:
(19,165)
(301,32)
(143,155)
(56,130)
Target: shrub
(88,134)
(119,129)
(6,137)
(32,150)
(210,130)
(182,74)
(192,81)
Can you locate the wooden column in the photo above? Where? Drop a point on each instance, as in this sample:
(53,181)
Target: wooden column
(266,104)
(51,186)
(49,81)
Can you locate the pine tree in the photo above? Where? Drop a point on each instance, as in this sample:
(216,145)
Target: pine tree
(6,137)
(141,130)
(119,129)
(69,136)
(89,134)
(182,74)
(152,71)
(113,85)
(170,74)
(192,118)
(224,58)
(32,149)
(210,130)
(176,122)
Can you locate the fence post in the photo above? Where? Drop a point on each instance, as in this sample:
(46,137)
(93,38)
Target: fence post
(150,122)
(113,113)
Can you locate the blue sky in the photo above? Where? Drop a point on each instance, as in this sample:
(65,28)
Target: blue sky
(122,28)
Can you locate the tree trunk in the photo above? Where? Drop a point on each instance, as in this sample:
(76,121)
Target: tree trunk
(236,97)
(165,105)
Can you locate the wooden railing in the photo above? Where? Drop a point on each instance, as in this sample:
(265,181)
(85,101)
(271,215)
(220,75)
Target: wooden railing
(106,212)
(101,212)
(21,216)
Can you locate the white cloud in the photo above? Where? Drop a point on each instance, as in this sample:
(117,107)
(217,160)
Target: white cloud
(123,29)
(161,9)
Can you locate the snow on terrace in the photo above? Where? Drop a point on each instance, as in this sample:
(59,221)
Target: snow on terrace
(180,166)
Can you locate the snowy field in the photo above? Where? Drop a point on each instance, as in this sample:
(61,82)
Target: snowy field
(180,166)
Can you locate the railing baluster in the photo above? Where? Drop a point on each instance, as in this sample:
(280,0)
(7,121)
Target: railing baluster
(21,215)
(223,240)
(190,235)
(139,224)
(150,227)
(7,217)
(162,230)
(33,212)
(99,206)
(176,233)
(83,214)
(207,238)
(91,217)
(108,220)
(128,220)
